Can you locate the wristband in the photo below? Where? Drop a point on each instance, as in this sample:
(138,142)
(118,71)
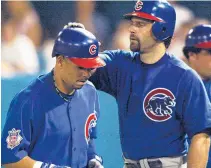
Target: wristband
(39,164)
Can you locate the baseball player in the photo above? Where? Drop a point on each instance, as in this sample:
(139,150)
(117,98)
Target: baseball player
(52,122)
(157,95)
(197,50)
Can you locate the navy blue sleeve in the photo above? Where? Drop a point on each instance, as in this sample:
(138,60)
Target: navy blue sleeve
(16,135)
(208,88)
(105,78)
(196,105)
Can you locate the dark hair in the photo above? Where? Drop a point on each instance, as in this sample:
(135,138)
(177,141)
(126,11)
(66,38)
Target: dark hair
(186,51)
(167,42)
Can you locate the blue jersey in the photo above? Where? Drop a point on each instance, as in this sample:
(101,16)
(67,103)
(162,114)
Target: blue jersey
(41,125)
(207,85)
(158,103)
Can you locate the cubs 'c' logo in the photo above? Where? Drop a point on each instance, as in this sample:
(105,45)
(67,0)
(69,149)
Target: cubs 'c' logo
(139,5)
(91,122)
(92,49)
(158,104)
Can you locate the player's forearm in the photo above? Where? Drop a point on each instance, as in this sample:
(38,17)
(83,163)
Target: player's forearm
(26,162)
(199,151)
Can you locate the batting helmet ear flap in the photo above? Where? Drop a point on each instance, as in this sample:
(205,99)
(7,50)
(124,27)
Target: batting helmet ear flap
(160,30)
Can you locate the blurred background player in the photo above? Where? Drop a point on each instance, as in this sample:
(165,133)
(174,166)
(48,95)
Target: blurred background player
(197,50)
(52,122)
(21,39)
(178,40)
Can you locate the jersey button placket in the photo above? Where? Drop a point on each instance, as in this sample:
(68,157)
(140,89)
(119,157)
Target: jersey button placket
(72,126)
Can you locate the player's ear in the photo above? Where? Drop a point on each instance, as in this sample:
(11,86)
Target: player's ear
(60,60)
(192,55)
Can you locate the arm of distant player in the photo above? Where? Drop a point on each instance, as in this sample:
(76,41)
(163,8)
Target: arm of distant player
(199,151)
(196,119)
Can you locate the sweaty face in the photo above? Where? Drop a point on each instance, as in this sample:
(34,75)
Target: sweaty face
(202,64)
(141,37)
(74,76)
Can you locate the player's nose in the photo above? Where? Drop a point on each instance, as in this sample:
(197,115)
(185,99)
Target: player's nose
(131,29)
(87,73)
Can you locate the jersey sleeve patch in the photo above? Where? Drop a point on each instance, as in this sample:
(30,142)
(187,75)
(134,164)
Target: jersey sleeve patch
(14,138)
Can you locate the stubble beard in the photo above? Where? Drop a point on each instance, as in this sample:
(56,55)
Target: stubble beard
(135,46)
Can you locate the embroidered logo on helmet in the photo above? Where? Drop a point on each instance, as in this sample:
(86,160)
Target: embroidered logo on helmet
(13,138)
(92,49)
(139,5)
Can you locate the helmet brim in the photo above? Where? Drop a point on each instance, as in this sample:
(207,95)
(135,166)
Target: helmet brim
(142,15)
(204,45)
(95,62)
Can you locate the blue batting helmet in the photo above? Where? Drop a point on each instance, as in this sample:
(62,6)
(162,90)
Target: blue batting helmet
(79,45)
(199,37)
(159,11)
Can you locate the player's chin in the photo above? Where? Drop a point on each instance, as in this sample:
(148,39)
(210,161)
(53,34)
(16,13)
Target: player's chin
(79,85)
(134,47)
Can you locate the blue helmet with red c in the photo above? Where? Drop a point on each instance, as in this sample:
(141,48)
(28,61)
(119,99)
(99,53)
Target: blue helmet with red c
(199,37)
(79,45)
(159,11)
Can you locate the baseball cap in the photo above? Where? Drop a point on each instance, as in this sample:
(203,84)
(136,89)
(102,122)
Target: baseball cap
(199,37)
(80,46)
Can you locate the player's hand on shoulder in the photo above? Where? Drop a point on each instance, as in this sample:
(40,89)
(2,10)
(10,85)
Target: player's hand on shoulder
(74,24)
